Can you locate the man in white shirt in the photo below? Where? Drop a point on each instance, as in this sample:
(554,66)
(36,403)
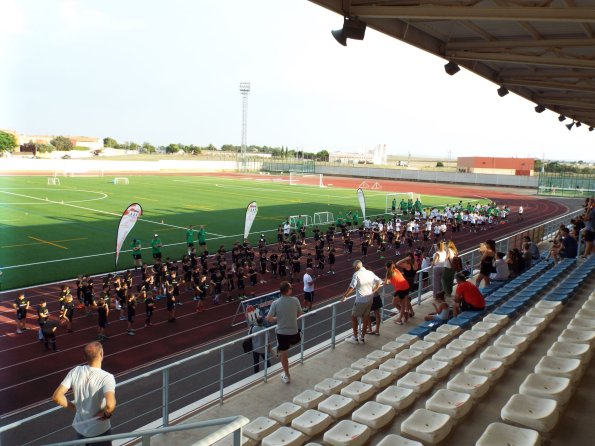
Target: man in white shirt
(94,392)
(286,228)
(365,283)
(308,290)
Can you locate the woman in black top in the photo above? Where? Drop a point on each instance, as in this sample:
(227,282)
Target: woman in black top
(486,265)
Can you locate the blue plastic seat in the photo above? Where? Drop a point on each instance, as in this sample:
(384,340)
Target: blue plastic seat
(507,311)
(460,322)
(472,316)
(420,331)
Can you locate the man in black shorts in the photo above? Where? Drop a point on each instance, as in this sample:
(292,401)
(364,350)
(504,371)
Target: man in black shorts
(102,313)
(67,312)
(131,312)
(308,290)
(285,312)
(21,305)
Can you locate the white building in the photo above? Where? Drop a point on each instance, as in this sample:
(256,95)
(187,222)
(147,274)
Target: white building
(377,155)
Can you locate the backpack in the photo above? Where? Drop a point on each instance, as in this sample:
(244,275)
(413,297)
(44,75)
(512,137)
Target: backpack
(456,263)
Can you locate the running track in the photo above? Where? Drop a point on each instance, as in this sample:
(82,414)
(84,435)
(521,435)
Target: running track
(28,374)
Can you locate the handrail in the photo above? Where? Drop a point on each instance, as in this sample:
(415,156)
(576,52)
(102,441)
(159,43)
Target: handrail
(232,425)
(548,231)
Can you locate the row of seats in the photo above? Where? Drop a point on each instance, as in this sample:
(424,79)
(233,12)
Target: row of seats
(320,410)
(544,394)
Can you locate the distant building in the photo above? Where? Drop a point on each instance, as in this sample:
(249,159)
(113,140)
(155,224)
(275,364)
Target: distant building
(92,143)
(377,155)
(492,165)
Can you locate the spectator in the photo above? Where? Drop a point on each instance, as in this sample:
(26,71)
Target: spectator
(467,296)
(502,271)
(439,263)
(514,264)
(526,256)
(285,312)
(401,286)
(441,309)
(365,283)
(533,249)
(410,267)
(589,233)
(486,263)
(259,346)
(449,273)
(94,392)
(569,248)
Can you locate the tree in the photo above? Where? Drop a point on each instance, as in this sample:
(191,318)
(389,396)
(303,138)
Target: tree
(61,143)
(172,148)
(110,142)
(8,141)
(323,155)
(148,147)
(439,164)
(45,148)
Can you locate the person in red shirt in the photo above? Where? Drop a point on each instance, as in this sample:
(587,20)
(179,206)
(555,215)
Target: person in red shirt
(467,297)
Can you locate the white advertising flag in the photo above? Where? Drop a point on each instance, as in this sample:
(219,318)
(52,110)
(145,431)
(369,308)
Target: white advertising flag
(362,201)
(127,222)
(251,212)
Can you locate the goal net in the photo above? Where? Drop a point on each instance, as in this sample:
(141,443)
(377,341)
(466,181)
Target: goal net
(294,219)
(306,179)
(53,181)
(323,218)
(120,180)
(397,199)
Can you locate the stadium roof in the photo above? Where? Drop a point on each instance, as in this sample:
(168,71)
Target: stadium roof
(542,50)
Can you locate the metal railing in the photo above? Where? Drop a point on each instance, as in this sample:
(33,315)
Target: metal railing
(233,425)
(173,392)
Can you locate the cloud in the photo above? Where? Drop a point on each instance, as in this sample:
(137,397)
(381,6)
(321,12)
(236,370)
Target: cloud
(13,17)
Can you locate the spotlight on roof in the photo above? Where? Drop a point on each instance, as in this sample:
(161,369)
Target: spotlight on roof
(591,128)
(578,124)
(561,118)
(539,108)
(502,91)
(451,68)
(569,126)
(352,29)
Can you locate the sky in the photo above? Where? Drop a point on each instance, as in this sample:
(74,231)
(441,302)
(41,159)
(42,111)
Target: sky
(169,72)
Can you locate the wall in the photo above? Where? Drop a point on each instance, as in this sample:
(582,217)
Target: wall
(430,176)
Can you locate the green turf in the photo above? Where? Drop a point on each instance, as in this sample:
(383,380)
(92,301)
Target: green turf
(49,233)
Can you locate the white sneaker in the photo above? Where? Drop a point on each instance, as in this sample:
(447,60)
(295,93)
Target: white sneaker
(352,340)
(285,378)
(361,340)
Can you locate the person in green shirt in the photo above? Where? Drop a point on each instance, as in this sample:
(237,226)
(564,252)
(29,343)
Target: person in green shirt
(136,253)
(393,206)
(403,205)
(190,239)
(340,219)
(355,218)
(202,238)
(156,248)
(299,223)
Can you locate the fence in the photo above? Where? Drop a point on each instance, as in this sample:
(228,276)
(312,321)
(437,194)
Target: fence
(566,184)
(171,393)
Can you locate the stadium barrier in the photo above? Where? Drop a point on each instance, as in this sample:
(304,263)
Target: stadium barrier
(321,329)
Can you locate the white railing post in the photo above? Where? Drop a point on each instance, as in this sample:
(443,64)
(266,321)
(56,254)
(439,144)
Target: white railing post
(334,326)
(165,397)
(221,374)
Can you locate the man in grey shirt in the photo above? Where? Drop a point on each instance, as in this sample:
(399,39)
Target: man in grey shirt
(285,312)
(365,283)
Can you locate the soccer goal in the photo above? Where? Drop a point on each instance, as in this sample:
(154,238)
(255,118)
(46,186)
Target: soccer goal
(398,197)
(323,218)
(121,180)
(306,220)
(53,181)
(306,179)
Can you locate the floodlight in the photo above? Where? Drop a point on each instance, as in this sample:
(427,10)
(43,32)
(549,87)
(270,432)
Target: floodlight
(539,108)
(569,126)
(502,91)
(451,68)
(591,128)
(352,29)
(561,118)
(578,124)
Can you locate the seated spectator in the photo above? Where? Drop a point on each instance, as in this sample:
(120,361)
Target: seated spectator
(569,248)
(501,266)
(533,249)
(467,296)
(514,264)
(441,309)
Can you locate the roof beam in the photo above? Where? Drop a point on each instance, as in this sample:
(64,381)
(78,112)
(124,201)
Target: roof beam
(507,82)
(522,59)
(533,14)
(503,44)
(575,105)
(547,73)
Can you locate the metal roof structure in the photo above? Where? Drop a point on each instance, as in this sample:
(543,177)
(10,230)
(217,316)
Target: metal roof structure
(542,50)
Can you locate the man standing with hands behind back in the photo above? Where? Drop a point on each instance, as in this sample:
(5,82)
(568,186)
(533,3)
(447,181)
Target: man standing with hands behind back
(308,290)
(94,392)
(365,283)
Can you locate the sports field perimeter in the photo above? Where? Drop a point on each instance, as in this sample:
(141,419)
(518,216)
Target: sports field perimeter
(49,233)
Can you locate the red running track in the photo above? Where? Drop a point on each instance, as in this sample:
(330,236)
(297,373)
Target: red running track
(28,374)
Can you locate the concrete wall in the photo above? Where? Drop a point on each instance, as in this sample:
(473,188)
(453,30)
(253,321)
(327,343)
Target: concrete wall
(430,176)
(17,166)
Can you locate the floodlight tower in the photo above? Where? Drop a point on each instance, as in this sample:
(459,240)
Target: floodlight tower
(244,91)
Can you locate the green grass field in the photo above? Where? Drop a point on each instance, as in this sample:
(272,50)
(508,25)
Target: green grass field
(50,233)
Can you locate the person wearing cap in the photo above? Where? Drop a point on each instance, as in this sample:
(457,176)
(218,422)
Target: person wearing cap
(156,248)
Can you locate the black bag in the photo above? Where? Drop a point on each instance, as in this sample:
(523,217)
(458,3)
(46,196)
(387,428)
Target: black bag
(247,344)
(376,302)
